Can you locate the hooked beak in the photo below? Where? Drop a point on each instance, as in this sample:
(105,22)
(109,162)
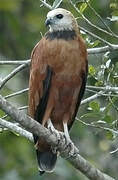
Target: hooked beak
(48,22)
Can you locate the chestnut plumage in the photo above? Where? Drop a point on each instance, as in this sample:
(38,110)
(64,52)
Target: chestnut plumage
(57,80)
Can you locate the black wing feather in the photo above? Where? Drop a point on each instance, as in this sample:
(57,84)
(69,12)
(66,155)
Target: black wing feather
(81,93)
(40,111)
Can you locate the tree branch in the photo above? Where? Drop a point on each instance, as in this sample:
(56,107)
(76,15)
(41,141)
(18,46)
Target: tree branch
(13,73)
(16,93)
(108,28)
(89,22)
(13,127)
(16,62)
(89,99)
(96,36)
(34,127)
(46,4)
(56,4)
(102,49)
(19,108)
(98,126)
(107,88)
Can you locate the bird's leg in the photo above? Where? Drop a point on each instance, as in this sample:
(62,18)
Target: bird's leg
(68,140)
(66,132)
(50,126)
(56,132)
(52,129)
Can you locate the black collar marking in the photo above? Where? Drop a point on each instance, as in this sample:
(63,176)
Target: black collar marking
(66,35)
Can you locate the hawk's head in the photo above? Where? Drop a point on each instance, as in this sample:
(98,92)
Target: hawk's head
(60,19)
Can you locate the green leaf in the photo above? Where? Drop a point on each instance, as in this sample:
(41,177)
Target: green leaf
(94,106)
(83,7)
(99,83)
(92,115)
(92,70)
(92,80)
(107,119)
(15,133)
(114,5)
(93,44)
(114,13)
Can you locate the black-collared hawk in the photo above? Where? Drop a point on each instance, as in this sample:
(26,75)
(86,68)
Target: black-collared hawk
(57,80)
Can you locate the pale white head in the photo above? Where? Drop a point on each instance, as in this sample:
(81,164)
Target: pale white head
(60,19)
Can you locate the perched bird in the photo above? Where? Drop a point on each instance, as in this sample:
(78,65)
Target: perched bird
(57,80)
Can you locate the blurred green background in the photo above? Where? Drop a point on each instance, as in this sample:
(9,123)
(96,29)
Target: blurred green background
(21,27)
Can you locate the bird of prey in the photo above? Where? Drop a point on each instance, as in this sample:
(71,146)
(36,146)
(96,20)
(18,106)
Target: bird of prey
(57,80)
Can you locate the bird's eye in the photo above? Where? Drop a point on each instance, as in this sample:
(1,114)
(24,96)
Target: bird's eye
(59,16)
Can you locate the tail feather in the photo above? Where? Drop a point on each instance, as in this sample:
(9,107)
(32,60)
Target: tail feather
(41,172)
(46,161)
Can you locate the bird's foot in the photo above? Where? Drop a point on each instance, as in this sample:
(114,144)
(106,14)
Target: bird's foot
(52,129)
(56,132)
(59,138)
(69,144)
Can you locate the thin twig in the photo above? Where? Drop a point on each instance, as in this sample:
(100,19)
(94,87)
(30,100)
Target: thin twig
(89,99)
(112,102)
(114,151)
(12,62)
(102,49)
(89,22)
(98,126)
(23,108)
(106,88)
(16,93)
(20,108)
(14,128)
(96,36)
(46,4)
(56,4)
(95,12)
(13,73)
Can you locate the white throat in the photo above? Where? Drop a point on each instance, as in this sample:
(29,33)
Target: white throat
(60,28)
